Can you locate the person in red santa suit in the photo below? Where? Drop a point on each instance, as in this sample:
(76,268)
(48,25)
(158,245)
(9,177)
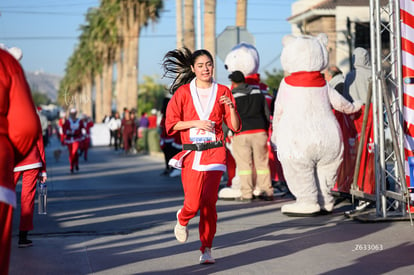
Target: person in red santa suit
(19,129)
(197,110)
(31,168)
(61,121)
(72,129)
(86,143)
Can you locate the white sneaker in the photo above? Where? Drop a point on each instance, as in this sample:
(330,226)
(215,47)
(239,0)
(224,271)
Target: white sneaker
(206,257)
(180,231)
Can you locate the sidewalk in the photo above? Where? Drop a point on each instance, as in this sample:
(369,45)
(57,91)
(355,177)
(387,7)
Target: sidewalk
(116,216)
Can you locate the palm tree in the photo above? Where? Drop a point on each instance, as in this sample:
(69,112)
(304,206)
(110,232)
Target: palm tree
(179,22)
(241,13)
(210,26)
(135,14)
(83,67)
(116,11)
(189,38)
(111,36)
(71,85)
(106,41)
(88,61)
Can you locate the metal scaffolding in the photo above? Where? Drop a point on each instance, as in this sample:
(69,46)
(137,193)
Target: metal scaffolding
(392,196)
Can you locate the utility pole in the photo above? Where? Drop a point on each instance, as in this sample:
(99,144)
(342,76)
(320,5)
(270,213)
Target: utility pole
(241,13)
(189,24)
(179,23)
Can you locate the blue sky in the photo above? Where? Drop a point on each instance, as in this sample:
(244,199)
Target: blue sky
(47,31)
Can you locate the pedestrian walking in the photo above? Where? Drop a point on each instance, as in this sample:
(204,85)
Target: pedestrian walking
(19,129)
(72,130)
(115,128)
(61,122)
(86,142)
(197,110)
(134,139)
(127,128)
(31,169)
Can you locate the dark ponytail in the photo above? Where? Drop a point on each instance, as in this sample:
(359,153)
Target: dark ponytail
(177,66)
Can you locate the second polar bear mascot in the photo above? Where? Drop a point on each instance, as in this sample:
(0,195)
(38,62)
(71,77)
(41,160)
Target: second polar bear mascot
(307,136)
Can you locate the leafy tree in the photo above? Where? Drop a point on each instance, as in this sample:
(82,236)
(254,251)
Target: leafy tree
(273,79)
(40,99)
(150,95)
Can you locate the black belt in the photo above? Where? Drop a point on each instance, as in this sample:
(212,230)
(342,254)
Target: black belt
(203,146)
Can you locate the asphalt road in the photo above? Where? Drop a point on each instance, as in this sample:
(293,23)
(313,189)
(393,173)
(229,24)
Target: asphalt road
(116,216)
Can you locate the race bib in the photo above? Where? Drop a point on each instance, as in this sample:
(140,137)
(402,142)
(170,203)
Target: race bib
(199,136)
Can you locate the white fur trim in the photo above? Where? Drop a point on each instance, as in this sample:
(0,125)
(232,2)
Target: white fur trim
(178,163)
(203,115)
(27,167)
(16,52)
(208,167)
(8,196)
(175,163)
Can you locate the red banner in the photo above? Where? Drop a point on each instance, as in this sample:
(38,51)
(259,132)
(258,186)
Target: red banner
(351,126)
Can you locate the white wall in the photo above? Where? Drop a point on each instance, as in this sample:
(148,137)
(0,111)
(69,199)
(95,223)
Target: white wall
(355,14)
(100,134)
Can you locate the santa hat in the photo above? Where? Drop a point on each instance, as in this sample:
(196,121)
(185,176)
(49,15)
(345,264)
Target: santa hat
(14,51)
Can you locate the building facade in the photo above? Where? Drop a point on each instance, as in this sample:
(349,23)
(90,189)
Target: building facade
(346,22)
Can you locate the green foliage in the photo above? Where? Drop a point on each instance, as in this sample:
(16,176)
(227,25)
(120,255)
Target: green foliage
(150,95)
(273,79)
(40,99)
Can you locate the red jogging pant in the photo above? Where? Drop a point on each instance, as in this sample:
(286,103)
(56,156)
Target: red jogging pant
(73,154)
(201,193)
(27,197)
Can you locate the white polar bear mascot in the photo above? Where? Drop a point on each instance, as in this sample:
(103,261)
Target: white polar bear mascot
(307,136)
(245,58)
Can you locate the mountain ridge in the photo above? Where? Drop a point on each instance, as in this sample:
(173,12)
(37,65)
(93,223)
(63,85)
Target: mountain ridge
(44,83)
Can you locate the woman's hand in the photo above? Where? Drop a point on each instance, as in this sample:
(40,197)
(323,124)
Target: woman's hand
(227,101)
(42,179)
(206,125)
(234,117)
